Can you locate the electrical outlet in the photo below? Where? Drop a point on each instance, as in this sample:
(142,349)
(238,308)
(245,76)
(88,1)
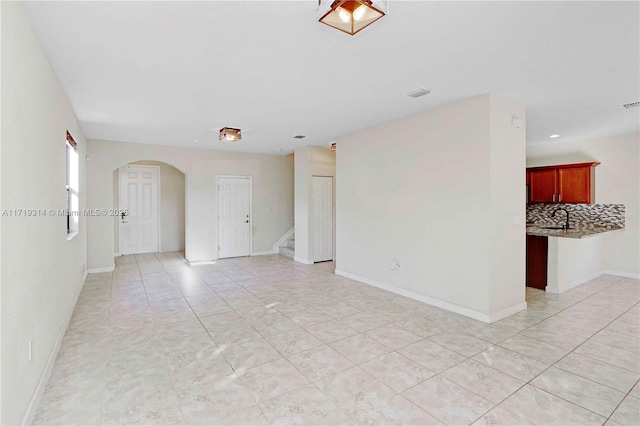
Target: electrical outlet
(30,350)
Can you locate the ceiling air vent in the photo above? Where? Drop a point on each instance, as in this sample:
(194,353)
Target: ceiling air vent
(299,137)
(418,92)
(631,105)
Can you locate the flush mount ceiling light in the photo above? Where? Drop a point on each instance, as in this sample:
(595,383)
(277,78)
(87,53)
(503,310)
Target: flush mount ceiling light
(554,136)
(351,16)
(230,134)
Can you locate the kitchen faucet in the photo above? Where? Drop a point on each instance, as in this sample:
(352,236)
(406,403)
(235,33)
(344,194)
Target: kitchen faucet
(566,225)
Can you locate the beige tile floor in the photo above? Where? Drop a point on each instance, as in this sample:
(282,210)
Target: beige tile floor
(264,340)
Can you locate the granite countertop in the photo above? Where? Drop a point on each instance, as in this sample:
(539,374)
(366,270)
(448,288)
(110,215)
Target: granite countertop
(539,231)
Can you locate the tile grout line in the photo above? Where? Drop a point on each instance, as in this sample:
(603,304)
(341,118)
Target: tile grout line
(317,282)
(542,372)
(554,363)
(627,395)
(104,388)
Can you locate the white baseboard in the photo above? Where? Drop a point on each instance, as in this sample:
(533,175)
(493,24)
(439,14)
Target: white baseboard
(282,239)
(497,316)
(437,302)
(263,253)
(302,260)
(116,254)
(622,274)
(573,283)
(102,269)
(27,419)
(201,262)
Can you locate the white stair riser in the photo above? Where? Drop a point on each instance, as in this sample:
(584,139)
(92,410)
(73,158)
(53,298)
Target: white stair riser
(285,251)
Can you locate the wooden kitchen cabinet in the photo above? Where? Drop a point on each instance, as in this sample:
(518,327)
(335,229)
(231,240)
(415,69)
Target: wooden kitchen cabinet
(537,259)
(567,183)
(576,185)
(543,185)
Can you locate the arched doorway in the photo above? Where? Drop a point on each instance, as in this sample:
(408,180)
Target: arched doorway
(162,197)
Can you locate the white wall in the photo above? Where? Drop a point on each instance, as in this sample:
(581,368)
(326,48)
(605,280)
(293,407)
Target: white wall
(310,161)
(573,261)
(617,181)
(0,210)
(171,209)
(42,272)
(272,194)
(438,191)
(508,204)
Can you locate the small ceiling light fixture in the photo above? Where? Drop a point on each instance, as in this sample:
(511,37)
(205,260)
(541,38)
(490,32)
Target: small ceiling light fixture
(230,134)
(351,16)
(333,147)
(554,136)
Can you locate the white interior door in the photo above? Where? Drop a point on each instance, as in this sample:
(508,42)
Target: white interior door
(139,196)
(322,218)
(234,216)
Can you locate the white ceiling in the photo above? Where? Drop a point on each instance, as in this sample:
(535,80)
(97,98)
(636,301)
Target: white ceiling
(172,73)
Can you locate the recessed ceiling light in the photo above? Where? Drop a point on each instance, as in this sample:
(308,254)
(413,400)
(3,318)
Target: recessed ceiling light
(279,149)
(196,141)
(554,136)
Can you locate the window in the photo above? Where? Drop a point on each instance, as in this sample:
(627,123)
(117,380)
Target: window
(73,203)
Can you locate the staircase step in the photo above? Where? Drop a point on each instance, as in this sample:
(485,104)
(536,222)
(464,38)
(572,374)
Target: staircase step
(286,251)
(291,243)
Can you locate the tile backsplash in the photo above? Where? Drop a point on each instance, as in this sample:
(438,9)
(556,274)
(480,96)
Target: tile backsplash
(580,215)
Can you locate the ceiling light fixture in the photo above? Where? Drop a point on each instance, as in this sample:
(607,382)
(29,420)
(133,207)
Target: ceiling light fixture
(351,16)
(230,134)
(333,147)
(554,136)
